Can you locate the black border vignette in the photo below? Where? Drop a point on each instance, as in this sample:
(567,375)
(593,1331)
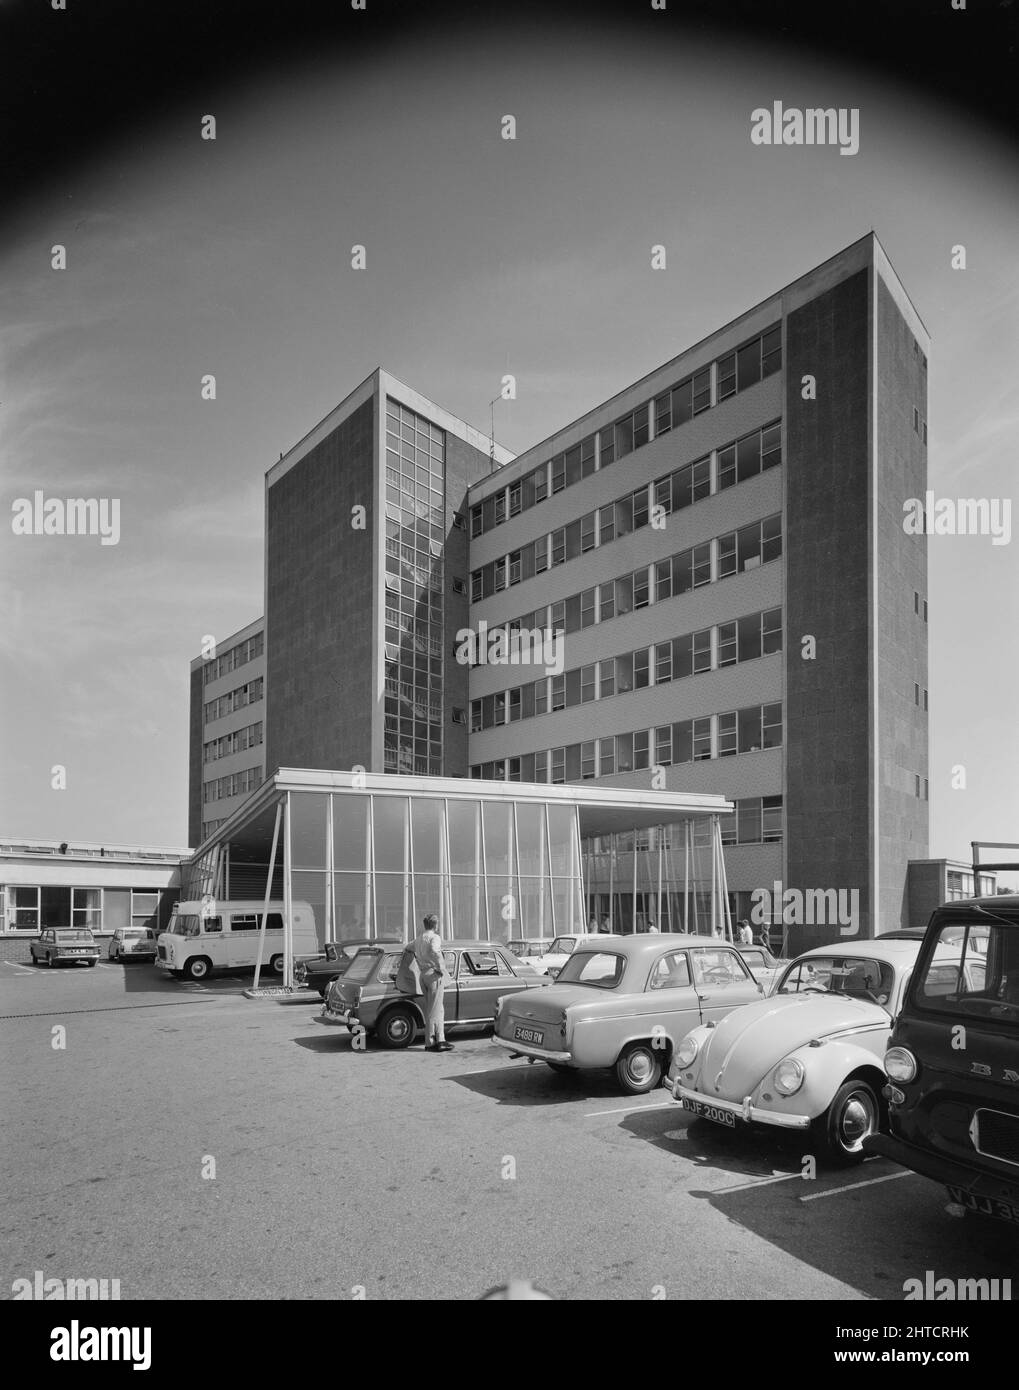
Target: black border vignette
(72,80)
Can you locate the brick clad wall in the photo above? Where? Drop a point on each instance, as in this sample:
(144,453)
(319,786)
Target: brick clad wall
(827,498)
(319,603)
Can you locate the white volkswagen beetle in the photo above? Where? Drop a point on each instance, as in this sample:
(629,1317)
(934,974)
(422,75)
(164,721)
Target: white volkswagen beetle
(810,1056)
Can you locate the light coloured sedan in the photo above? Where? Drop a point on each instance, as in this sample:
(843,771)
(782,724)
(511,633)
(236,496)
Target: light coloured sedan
(810,1056)
(623,1002)
(132,943)
(560,951)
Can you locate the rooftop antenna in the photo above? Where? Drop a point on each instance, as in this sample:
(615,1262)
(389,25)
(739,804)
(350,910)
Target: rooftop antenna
(491,434)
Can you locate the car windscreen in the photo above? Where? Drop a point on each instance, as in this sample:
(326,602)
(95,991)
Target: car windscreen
(971,972)
(860,977)
(562,946)
(363,965)
(73,934)
(600,969)
(183,923)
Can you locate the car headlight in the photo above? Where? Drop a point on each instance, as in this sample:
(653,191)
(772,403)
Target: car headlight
(788,1076)
(687,1051)
(900,1064)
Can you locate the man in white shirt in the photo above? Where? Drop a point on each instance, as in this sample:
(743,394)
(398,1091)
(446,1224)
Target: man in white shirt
(746,934)
(428,954)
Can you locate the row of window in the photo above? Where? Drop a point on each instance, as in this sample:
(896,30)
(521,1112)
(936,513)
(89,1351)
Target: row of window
(687,741)
(917,693)
(756,820)
(31,907)
(234,784)
(240,698)
(721,469)
(745,639)
(916,605)
(758,358)
(917,422)
(921,787)
(754,544)
(238,655)
(236,742)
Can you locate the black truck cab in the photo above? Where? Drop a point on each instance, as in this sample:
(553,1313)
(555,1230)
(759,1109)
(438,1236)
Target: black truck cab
(953,1059)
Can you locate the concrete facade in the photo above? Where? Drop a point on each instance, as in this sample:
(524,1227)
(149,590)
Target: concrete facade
(234,671)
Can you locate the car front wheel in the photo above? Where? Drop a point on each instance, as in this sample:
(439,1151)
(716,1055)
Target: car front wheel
(276,965)
(639,1069)
(196,969)
(854,1114)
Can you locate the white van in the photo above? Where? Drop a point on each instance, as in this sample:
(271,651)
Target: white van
(209,934)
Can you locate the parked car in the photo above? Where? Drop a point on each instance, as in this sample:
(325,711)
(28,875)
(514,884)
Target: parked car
(560,950)
(530,952)
(64,946)
(764,967)
(953,1059)
(623,1002)
(366,996)
(902,934)
(317,971)
(132,943)
(809,1057)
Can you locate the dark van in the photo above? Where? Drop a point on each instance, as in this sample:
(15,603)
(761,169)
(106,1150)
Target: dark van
(953,1059)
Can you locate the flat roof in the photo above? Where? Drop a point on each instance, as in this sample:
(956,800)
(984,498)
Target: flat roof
(603,810)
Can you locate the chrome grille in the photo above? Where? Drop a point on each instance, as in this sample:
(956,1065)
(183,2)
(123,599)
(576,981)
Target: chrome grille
(997,1135)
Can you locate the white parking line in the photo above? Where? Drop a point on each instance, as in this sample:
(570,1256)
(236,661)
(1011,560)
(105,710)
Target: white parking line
(761,1182)
(629,1109)
(19,966)
(851,1187)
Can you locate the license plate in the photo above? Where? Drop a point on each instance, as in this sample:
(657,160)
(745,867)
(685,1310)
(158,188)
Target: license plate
(710,1112)
(529,1035)
(986,1206)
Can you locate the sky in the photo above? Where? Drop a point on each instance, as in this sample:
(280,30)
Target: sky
(484,257)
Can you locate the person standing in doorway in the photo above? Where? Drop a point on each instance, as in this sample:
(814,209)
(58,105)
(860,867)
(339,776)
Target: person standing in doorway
(428,954)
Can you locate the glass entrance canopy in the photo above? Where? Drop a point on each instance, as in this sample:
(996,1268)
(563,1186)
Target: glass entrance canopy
(500,861)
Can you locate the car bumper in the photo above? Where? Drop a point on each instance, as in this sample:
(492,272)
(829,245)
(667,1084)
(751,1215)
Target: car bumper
(332,1018)
(163,964)
(742,1110)
(541,1054)
(947,1171)
(75,960)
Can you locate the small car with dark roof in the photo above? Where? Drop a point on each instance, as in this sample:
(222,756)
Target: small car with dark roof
(624,1002)
(317,972)
(368,997)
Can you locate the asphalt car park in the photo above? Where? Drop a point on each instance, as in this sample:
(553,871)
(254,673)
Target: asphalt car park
(337,1168)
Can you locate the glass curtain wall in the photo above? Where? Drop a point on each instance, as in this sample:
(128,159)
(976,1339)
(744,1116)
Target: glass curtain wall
(671,877)
(373,865)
